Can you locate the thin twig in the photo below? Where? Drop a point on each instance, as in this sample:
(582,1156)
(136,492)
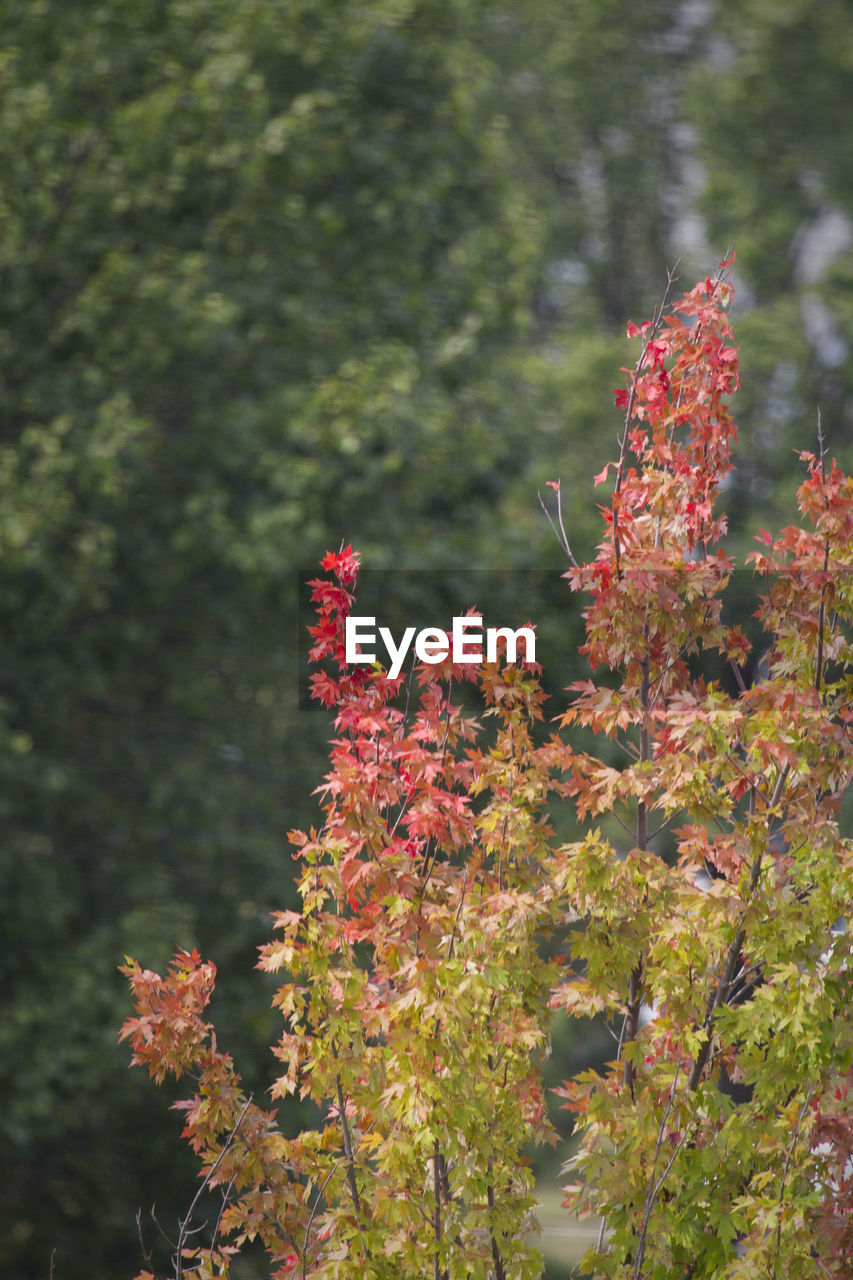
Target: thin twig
(318,1199)
(315,1206)
(655,1187)
(818,675)
(560,535)
(623,444)
(146,1253)
(226,1196)
(169,1241)
(788,1154)
(184,1229)
(348,1152)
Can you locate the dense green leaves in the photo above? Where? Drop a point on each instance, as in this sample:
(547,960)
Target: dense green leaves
(247,260)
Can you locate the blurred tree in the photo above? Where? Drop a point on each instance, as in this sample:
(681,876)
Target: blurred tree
(595,99)
(770,99)
(257,262)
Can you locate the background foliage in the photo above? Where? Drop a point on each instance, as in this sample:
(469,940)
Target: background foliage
(272,274)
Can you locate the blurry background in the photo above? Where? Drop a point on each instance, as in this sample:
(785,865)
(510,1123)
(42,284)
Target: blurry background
(275,273)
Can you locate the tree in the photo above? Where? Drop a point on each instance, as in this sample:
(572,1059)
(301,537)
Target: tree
(771,143)
(416,1001)
(732,940)
(417,995)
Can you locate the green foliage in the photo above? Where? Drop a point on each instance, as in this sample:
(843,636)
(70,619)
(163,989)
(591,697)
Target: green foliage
(765,101)
(248,262)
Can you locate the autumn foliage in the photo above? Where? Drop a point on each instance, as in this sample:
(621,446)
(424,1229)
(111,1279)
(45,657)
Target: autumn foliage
(706,901)
(415,1002)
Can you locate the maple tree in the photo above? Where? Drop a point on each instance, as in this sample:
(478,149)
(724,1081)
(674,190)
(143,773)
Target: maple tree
(732,944)
(704,900)
(416,1002)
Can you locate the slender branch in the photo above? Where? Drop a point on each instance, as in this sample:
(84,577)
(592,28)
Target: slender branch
(818,675)
(428,861)
(788,1155)
(655,1187)
(602,1229)
(624,825)
(455,931)
(184,1229)
(730,967)
(561,536)
(318,1199)
(777,792)
(445,1181)
(437,1163)
(314,1207)
(662,826)
(632,1015)
(169,1241)
(348,1152)
(632,395)
(146,1252)
(404,724)
(631,1024)
(500,1272)
(226,1196)
(736,671)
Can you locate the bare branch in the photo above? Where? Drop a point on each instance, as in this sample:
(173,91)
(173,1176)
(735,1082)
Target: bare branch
(561,536)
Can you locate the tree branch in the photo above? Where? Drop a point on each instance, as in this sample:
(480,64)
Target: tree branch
(348,1152)
(184,1228)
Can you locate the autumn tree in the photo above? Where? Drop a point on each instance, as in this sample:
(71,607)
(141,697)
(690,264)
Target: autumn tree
(705,901)
(415,1000)
(714,922)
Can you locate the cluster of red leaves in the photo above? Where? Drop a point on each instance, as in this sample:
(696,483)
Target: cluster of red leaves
(396,793)
(239,1144)
(656,582)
